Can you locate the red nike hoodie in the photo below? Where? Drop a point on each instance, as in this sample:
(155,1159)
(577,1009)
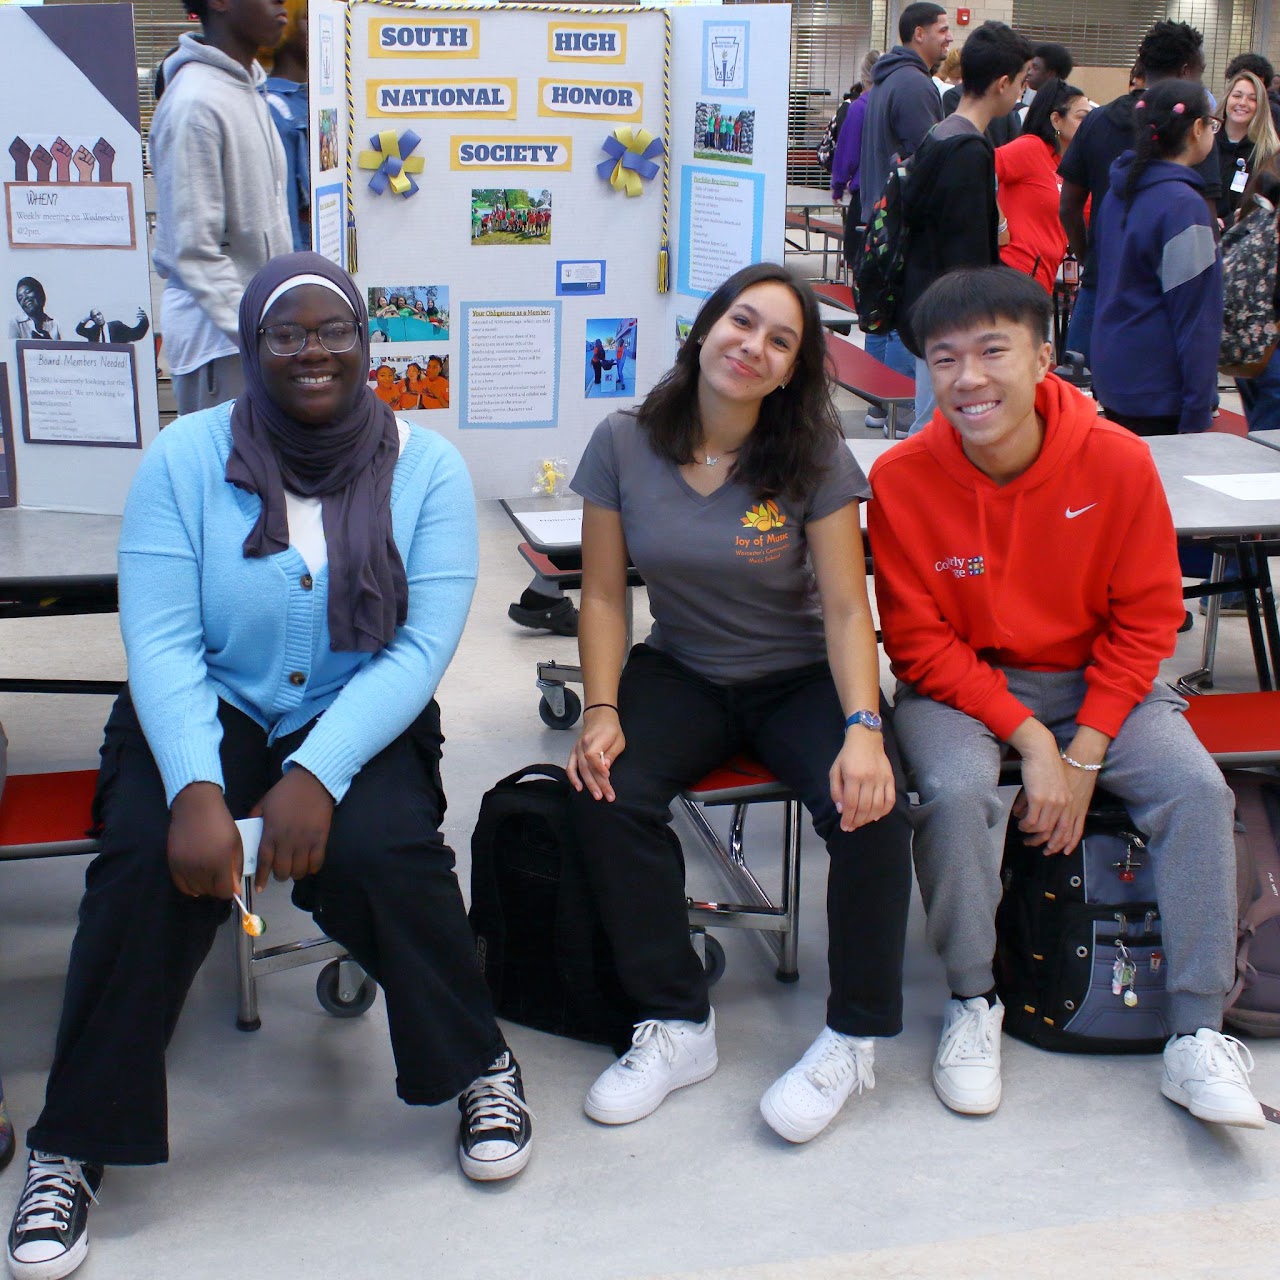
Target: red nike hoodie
(1072,565)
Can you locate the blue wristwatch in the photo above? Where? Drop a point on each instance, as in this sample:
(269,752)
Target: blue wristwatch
(867,719)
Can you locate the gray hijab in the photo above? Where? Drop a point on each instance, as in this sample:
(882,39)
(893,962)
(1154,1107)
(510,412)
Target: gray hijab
(348,464)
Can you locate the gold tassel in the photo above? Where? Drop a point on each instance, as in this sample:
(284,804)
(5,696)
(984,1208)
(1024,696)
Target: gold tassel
(664,268)
(353,261)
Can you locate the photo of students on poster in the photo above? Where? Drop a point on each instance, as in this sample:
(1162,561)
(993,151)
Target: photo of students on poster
(408,313)
(328,139)
(507,215)
(724,133)
(610,357)
(411,382)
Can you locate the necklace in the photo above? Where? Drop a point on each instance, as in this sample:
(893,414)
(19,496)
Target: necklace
(709,461)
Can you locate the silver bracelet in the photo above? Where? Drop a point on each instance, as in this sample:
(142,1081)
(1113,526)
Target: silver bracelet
(1075,764)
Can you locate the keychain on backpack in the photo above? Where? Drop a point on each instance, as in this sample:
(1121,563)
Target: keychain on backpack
(1123,973)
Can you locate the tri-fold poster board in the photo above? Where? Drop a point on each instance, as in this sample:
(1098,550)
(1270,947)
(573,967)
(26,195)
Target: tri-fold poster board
(77,364)
(536,199)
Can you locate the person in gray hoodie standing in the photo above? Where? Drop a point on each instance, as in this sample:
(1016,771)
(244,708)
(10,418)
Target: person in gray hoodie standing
(904,104)
(221,204)
(902,107)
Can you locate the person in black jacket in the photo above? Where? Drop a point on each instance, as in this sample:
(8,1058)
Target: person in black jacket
(902,107)
(950,202)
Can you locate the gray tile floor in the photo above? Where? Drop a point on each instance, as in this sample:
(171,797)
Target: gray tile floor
(292,1157)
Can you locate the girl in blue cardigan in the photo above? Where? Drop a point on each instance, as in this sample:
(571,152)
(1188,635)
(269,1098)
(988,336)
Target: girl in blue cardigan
(295,572)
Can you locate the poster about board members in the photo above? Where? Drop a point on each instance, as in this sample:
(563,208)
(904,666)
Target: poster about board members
(78,394)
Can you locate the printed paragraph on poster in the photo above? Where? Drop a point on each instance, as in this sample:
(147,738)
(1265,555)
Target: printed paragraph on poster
(78,395)
(511,365)
(59,216)
(721,228)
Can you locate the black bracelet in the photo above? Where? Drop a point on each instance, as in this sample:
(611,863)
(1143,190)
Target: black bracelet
(594,705)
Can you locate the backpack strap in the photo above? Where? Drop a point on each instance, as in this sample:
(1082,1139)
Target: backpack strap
(552,771)
(1264,857)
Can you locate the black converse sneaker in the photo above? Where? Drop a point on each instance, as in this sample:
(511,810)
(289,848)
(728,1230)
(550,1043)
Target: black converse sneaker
(50,1233)
(497,1126)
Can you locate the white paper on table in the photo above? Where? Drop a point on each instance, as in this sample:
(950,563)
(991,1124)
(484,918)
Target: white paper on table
(250,837)
(552,527)
(1252,486)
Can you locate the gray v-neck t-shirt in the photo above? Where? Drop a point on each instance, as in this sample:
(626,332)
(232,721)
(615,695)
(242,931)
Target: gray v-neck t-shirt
(731,587)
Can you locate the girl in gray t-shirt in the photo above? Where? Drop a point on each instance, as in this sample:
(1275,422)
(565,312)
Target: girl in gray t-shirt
(732,491)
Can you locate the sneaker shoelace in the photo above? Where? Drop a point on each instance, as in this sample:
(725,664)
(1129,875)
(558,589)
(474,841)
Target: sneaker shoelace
(492,1102)
(50,1193)
(970,1038)
(651,1040)
(837,1062)
(1227,1056)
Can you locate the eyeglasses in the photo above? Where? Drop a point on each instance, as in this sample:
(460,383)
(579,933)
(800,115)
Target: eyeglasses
(1214,123)
(335,336)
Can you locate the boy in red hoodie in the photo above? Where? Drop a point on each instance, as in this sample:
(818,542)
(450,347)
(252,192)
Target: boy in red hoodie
(1028,584)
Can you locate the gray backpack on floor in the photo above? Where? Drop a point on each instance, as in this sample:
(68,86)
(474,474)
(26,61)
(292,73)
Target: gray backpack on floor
(1254,1003)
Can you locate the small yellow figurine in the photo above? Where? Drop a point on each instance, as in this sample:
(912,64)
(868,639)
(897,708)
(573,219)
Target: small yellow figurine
(551,471)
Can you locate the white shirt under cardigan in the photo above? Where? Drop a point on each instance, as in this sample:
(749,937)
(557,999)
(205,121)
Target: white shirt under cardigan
(306,527)
(201,622)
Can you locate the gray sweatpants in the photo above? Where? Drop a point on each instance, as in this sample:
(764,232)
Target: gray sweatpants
(1173,790)
(213,383)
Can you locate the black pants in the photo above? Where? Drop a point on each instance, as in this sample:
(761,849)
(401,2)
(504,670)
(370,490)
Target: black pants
(387,892)
(1164,425)
(679,726)
(855,231)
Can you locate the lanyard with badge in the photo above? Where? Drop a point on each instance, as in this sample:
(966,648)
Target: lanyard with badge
(1241,177)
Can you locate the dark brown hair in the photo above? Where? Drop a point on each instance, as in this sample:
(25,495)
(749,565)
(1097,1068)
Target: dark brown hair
(788,450)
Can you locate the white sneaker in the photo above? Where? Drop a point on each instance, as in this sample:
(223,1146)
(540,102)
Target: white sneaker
(663,1056)
(801,1103)
(1208,1073)
(966,1072)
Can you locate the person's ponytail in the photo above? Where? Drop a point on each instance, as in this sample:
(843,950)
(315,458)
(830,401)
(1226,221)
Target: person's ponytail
(1164,116)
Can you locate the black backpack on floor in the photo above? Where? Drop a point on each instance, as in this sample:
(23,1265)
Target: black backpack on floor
(539,939)
(1080,963)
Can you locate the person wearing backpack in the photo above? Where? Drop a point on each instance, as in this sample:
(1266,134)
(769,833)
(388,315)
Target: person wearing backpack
(847,162)
(902,107)
(1159,317)
(949,203)
(732,492)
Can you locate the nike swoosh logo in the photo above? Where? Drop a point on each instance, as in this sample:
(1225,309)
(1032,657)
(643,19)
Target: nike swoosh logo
(1071,515)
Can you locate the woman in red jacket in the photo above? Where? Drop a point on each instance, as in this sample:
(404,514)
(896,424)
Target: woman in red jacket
(1027,171)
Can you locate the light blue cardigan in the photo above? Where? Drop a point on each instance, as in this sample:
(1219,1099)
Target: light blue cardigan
(202,622)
